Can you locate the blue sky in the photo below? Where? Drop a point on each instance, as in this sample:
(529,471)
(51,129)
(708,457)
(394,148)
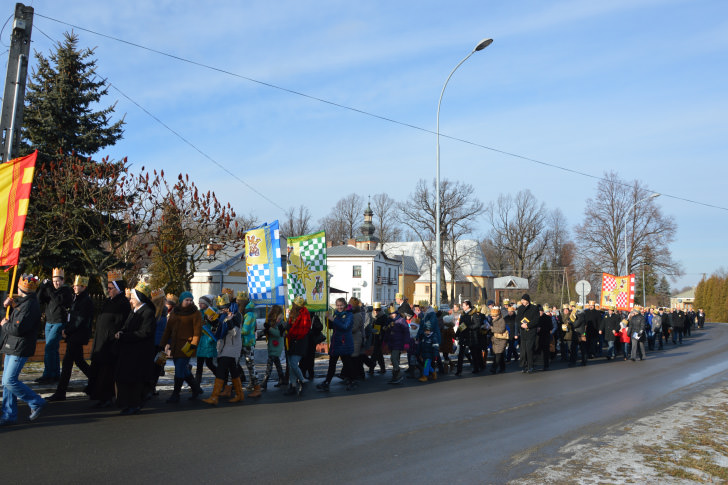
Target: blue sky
(634,86)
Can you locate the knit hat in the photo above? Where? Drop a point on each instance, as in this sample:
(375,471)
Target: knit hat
(207,300)
(405,310)
(184,295)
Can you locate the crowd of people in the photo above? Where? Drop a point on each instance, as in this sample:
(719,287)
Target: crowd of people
(138,330)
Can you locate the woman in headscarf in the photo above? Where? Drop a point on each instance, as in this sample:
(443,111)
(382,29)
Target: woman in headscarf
(104,354)
(136,350)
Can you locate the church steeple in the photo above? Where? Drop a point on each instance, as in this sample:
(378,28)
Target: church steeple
(367,240)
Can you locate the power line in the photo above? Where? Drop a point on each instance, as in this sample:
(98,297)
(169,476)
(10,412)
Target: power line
(366,113)
(185,140)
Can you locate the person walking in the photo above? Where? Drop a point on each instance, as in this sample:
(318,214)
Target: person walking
(342,345)
(113,315)
(18,337)
(77,334)
(527,319)
(229,346)
(273,330)
(180,338)
(57,298)
(135,365)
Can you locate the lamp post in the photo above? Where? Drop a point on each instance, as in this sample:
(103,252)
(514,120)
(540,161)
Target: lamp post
(626,218)
(479,47)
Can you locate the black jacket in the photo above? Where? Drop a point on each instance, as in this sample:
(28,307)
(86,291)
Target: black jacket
(136,346)
(108,322)
(78,328)
(529,316)
(20,333)
(609,325)
(56,301)
(636,324)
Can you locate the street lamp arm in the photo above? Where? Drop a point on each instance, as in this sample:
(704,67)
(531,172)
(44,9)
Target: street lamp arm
(480,46)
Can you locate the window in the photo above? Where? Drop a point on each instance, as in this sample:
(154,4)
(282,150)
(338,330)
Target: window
(356,292)
(356,273)
(379,294)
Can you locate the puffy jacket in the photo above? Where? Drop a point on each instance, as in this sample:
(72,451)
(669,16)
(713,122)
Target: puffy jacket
(208,344)
(398,334)
(229,341)
(20,333)
(275,339)
(248,329)
(342,342)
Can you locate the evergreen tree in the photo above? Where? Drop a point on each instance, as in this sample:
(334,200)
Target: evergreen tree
(61,94)
(79,208)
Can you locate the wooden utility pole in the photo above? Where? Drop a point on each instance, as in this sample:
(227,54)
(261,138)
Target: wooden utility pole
(11,117)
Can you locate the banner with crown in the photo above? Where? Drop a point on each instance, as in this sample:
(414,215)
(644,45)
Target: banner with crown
(16,179)
(307,269)
(263,265)
(618,291)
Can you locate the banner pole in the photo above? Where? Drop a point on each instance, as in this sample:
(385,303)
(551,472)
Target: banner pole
(12,288)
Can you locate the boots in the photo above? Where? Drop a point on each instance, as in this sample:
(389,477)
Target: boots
(216,389)
(433,376)
(194,386)
(239,395)
(264,384)
(256,391)
(423,378)
(395,378)
(226,390)
(175,393)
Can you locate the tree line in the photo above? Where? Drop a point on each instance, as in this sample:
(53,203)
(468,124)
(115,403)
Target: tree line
(711,295)
(90,215)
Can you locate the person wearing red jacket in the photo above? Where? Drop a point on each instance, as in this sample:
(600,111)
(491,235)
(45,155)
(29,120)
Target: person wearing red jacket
(299,324)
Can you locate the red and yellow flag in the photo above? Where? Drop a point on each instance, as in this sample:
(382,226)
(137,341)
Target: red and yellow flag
(16,178)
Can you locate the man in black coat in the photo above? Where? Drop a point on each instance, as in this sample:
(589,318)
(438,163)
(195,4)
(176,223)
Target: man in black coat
(527,319)
(56,297)
(677,320)
(468,332)
(609,327)
(579,336)
(592,317)
(17,342)
(636,329)
(77,334)
(104,353)
(701,318)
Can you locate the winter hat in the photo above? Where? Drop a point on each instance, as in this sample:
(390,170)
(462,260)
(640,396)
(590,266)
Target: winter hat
(405,310)
(207,300)
(184,295)
(526,297)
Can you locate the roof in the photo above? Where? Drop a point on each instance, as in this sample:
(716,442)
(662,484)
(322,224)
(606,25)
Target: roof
(473,264)
(351,251)
(685,294)
(410,265)
(427,278)
(510,283)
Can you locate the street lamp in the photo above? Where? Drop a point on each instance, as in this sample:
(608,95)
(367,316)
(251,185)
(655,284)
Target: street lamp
(481,45)
(626,218)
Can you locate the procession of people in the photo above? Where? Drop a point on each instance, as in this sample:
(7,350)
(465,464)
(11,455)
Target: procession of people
(138,330)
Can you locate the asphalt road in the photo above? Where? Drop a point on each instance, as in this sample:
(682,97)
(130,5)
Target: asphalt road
(482,429)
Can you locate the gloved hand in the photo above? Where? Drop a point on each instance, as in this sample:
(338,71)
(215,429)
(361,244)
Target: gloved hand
(406,347)
(436,346)
(193,347)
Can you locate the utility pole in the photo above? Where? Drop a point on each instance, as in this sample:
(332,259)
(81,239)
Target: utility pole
(11,117)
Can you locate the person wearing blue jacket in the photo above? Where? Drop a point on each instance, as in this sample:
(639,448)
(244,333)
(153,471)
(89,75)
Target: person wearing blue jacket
(342,345)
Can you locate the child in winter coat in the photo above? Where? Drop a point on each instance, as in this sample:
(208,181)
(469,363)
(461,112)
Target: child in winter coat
(206,350)
(429,346)
(273,330)
(624,338)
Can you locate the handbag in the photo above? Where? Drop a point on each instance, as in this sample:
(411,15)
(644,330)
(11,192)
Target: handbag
(160,358)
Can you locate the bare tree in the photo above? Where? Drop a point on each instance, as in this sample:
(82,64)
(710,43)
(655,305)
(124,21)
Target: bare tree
(649,232)
(459,207)
(518,226)
(384,208)
(297,222)
(344,219)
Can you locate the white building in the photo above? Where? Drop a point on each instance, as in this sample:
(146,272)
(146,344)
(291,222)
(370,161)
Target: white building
(366,274)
